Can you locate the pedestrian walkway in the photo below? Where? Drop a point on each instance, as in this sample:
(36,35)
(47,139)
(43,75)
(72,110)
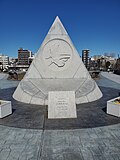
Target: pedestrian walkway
(100,143)
(3,76)
(106,80)
(111,76)
(4,83)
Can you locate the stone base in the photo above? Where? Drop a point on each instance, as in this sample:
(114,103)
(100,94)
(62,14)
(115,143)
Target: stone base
(5,108)
(112,108)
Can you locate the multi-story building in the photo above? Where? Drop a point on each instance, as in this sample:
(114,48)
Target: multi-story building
(85,57)
(4,60)
(23,56)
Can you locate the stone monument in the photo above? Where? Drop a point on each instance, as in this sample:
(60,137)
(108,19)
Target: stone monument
(57,67)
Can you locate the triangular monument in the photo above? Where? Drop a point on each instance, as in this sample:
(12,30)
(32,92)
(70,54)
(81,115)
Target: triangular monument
(57,67)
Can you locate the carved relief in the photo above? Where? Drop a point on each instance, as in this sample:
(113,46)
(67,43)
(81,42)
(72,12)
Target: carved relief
(59,61)
(57,54)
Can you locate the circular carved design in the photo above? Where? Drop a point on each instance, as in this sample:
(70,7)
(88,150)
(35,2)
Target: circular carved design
(57,54)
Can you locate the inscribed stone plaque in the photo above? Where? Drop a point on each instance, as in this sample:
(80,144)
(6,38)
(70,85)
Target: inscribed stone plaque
(61,104)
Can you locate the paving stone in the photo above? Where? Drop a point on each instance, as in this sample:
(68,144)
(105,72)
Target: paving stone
(101,157)
(103,133)
(86,153)
(116,156)
(95,150)
(98,143)
(4,153)
(73,156)
(65,151)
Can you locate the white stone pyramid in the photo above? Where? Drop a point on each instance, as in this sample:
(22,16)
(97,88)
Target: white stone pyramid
(57,67)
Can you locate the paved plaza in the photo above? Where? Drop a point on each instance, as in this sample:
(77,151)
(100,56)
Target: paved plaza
(27,134)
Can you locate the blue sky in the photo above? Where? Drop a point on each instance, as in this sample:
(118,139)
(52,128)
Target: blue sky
(91,24)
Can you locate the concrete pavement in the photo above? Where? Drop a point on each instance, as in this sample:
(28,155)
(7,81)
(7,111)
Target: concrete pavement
(111,76)
(4,83)
(100,143)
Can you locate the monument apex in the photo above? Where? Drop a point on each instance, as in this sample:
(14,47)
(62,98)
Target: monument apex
(57,27)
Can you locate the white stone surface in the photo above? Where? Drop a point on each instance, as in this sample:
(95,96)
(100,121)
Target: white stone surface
(56,67)
(5,108)
(61,104)
(112,108)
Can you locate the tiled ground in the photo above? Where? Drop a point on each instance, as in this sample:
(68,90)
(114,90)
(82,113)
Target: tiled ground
(100,143)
